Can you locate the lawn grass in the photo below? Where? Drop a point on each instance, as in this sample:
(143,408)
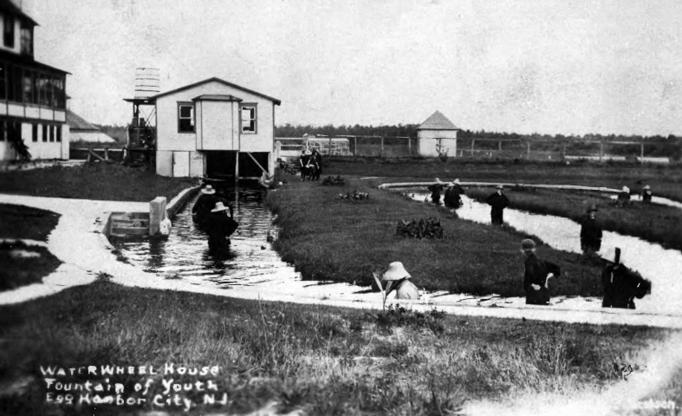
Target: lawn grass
(652,222)
(323,360)
(327,238)
(99,181)
(18,221)
(664,180)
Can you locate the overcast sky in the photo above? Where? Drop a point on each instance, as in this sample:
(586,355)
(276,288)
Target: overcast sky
(525,66)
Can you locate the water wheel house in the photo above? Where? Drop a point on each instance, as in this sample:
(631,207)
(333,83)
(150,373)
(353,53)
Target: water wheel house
(214,129)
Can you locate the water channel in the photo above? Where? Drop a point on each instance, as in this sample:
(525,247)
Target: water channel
(254,267)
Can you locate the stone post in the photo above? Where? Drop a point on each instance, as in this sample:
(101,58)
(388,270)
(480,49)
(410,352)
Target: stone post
(157,212)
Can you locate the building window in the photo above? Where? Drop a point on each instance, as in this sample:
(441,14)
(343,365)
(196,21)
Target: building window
(59,133)
(8,31)
(28,84)
(248,118)
(185,118)
(3,130)
(3,81)
(51,132)
(44,132)
(26,39)
(34,132)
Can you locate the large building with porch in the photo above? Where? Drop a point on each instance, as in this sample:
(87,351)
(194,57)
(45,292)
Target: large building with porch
(32,94)
(214,129)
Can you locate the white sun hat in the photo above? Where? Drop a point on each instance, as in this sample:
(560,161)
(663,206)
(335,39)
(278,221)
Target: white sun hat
(208,190)
(219,206)
(395,271)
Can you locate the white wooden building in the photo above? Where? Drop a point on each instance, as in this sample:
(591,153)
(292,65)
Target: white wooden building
(32,94)
(214,128)
(437,132)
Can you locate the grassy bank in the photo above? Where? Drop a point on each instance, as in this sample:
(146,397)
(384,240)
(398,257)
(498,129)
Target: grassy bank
(93,181)
(18,221)
(653,222)
(323,360)
(664,180)
(20,265)
(332,239)
(19,270)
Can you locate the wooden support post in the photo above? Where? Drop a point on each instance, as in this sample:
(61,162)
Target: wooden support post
(236,170)
(409,146)
(106,153)
(355,146)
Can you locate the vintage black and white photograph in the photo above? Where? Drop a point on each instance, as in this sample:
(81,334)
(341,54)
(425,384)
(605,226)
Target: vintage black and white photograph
(301,207)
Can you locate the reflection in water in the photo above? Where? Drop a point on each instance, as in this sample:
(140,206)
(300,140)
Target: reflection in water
(659,265)
(184,255)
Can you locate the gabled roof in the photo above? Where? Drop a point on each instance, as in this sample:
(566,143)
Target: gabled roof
(6,6)
(214,79)
(29,61)
(437,121)
(77,122)
(216,97)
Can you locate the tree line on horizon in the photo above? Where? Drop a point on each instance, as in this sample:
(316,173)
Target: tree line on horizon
(410,130)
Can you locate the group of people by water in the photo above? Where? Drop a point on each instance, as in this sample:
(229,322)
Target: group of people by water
(621,285)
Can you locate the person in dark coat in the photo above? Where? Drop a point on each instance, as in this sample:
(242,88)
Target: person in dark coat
(622,285)
(646,194)
(436,189)
(453,193)
(537,274)
(590,233)
(623,196)
(204,204)
(219,227)
(498,202)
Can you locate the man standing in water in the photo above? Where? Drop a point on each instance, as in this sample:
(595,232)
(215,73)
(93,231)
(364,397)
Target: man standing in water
(537,275)
(436,190)
(498,202)
(590,233)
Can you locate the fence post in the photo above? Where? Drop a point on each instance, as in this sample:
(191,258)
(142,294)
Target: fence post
(601,150)
(355,146)
(409,146)
(528,150)
(472,147)
(381,152)
(330,145)
(641,153)
(563,152)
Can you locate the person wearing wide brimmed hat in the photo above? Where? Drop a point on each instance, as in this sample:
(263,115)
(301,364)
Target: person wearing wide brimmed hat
(590,232)
(536,274)
(498,202)
(436,188)
(397,278)
(453,195)
(219,227)
(204,204)
(646,194)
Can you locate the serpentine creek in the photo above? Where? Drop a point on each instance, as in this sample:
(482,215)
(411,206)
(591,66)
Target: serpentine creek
(254,269)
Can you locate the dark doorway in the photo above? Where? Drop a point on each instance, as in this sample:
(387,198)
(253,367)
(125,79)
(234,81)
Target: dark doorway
(220,164)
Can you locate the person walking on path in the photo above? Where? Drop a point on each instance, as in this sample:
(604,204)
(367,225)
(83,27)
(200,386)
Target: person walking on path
(453,195)
(590,233)
(498,202)
(537,274)
(623,197)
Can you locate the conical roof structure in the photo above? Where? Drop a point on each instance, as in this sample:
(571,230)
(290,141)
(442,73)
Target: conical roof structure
(437,121)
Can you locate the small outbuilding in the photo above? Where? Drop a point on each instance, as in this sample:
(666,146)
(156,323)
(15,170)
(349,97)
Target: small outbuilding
(82,130)
(214,129)
(437,135)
